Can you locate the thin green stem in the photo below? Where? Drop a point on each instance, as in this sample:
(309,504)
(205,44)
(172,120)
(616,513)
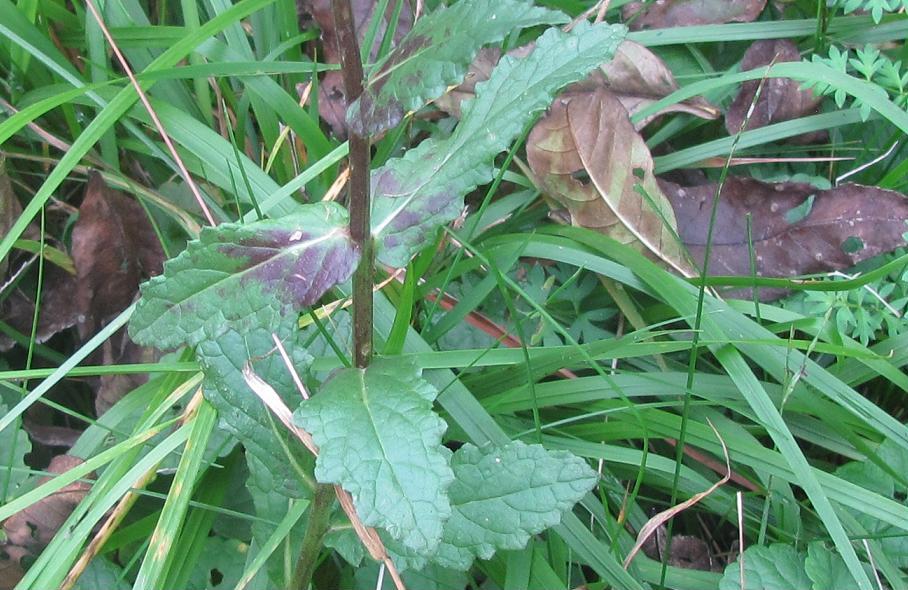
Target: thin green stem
(319,520)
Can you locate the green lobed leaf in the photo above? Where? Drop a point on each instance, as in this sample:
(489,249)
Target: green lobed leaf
(503,495)
(435,54)
(238,277)
(243,414)
(773,567)
(424,189)
(380,440)
(826,569)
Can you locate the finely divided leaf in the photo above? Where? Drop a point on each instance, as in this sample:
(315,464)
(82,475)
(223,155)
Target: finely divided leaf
(415,194)
(435,55)
(503,495)
(380,440)
(244,276)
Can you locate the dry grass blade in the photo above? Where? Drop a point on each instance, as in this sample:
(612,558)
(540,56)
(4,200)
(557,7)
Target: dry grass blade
(151,113)
(653,524)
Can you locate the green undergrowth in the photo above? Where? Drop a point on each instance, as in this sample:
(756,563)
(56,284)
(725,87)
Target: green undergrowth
(533,382)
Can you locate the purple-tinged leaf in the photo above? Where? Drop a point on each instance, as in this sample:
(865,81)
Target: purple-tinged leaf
(435,55)
(424,189)
(240,277)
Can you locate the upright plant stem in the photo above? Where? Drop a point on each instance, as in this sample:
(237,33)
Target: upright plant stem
(319,519)
(359,203)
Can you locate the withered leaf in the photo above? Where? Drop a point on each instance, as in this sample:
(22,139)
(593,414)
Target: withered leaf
(680,13)
(781,99)
(9,209)
(873,219)
(117,350)
(114,249)
(588,134)
(58,307)
(33,528)
(639,77)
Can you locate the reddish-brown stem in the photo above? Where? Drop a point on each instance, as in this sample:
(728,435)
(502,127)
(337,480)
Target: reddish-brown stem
(359,203)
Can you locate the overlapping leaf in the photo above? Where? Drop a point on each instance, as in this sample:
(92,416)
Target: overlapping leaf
(242,414)
(417,193)
(435,54)
(503,495)
(780,99)
(589,134)
(238,277)
(679,13)
(380,440)
(770,567)
(796,229)
(108,277)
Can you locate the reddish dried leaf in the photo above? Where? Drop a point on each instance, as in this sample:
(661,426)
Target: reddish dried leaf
(681,13)
(820,242)
(589,134)
(114,249)
(781,99)
(58,307)
(34,527)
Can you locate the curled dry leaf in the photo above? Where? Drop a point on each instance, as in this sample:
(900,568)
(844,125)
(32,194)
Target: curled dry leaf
(636,76)
(588,134)
(796,228)
(114,249)
(31,529)
(781,99)
(681,13)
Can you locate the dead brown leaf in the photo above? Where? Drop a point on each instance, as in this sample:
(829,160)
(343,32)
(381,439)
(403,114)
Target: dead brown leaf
(58,307)
(31,529)
(587,135)
(9,209)
(797,229)
(781,99)
(638,77)
(663,14)
(685,551)
(119,350)
(114,248)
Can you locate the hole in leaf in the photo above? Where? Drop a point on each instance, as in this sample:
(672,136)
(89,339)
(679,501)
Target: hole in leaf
(852,244)
(639,173)
(582,176)
(799,213)
(215,577)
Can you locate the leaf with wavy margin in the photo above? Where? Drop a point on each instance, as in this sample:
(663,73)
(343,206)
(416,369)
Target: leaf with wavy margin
(240,277)
(435,55)
(503,495)
(380,440)
(415,194)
